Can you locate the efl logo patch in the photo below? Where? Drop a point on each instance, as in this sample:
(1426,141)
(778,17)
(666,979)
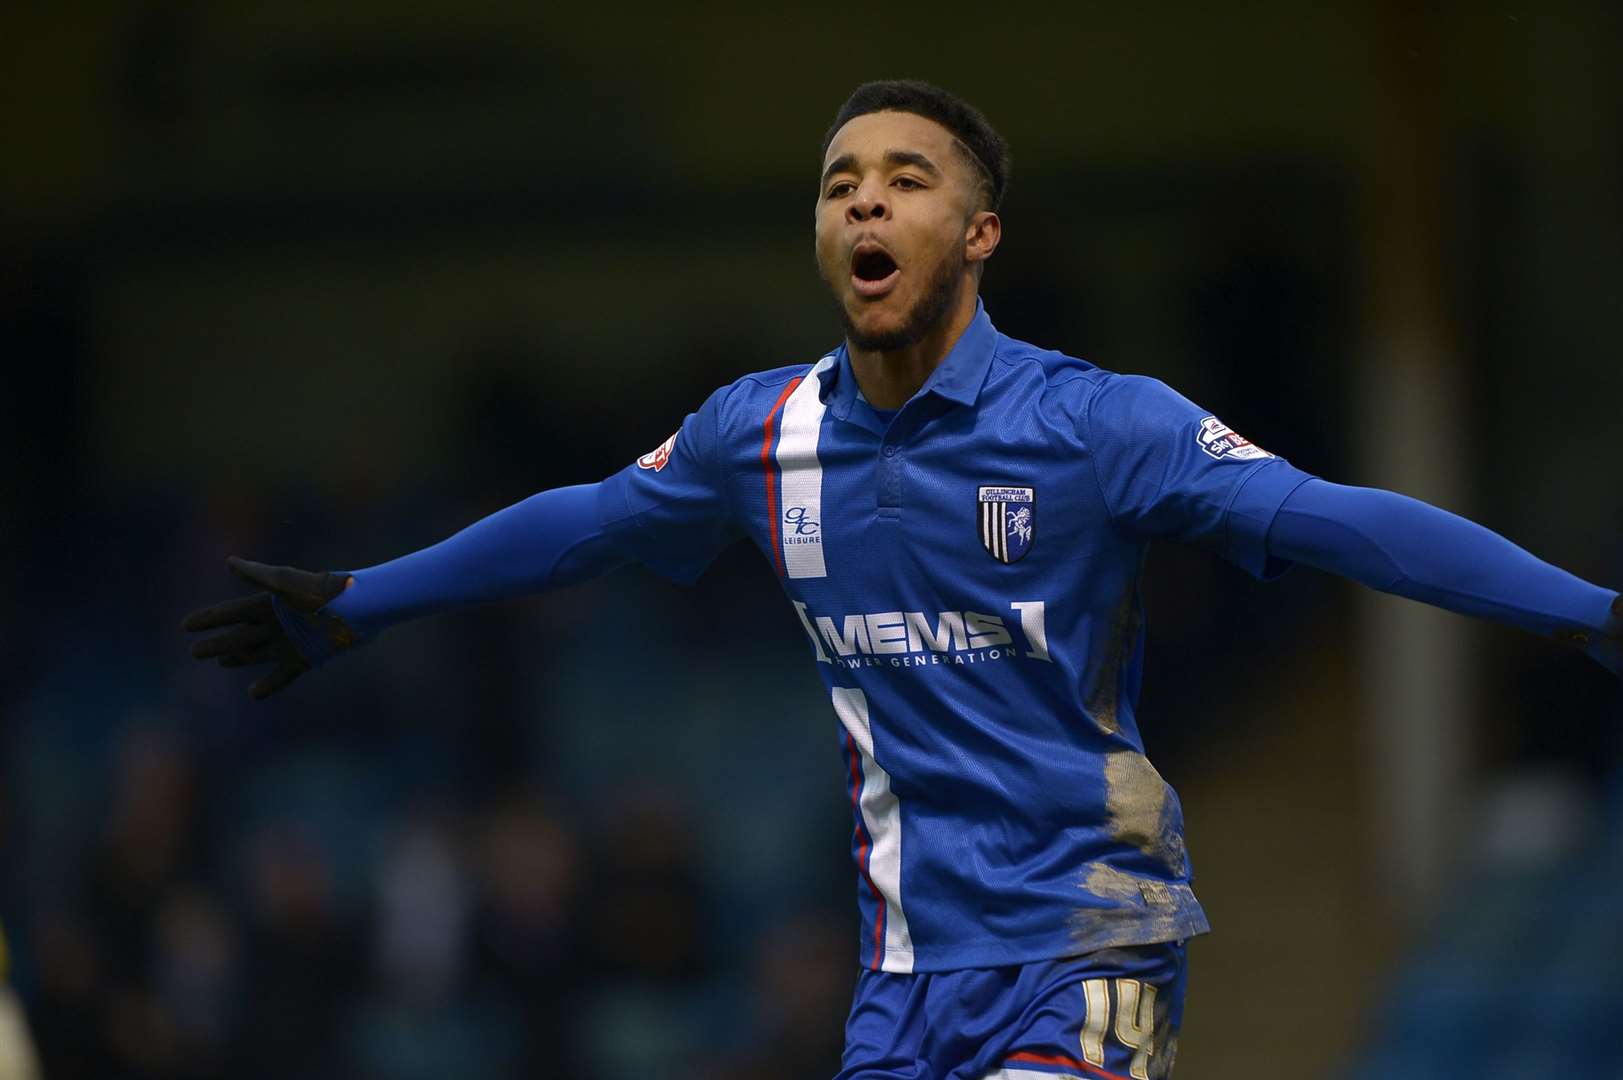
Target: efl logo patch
(1221,441)
(656,458)
(1008,521)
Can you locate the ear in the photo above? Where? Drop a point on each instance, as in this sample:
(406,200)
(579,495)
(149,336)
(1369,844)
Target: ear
(981,236)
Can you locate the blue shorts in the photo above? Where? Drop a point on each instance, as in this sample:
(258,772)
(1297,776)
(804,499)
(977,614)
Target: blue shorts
(1108,1014)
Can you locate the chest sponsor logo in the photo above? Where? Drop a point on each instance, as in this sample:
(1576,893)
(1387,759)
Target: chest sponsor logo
(1224,443)
(660,456)
(1008,521)
(928,638)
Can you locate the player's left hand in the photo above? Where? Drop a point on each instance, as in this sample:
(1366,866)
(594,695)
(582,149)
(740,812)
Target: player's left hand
(282,625)
(1607,647)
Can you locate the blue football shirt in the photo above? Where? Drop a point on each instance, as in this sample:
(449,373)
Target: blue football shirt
(967,575)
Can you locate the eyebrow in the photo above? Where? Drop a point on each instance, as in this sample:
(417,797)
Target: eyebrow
(893,158)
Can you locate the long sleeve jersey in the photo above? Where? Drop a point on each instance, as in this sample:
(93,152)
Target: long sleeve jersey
(967,572)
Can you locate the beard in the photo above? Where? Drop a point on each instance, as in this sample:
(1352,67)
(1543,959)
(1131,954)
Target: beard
(926,314)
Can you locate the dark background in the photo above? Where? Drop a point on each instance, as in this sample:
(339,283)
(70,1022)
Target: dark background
(319,286)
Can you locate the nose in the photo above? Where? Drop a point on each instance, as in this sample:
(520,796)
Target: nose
(868,204)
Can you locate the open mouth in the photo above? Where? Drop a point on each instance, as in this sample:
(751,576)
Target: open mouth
(873,271)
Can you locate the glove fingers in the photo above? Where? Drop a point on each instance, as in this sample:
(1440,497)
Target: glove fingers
(276,680)
(236,640)
(264,654)
(244,609)
(304,589)
(263,575)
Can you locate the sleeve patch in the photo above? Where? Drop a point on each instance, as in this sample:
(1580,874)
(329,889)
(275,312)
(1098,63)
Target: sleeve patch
(1222,442)
(657,458)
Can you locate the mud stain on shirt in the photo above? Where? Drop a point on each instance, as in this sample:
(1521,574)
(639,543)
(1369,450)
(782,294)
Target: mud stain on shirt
(1141,809)
(1103,698)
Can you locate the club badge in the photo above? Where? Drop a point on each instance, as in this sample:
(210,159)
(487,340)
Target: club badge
(1008,521)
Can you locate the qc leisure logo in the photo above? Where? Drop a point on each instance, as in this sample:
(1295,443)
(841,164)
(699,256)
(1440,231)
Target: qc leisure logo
(800,527)
(914,639)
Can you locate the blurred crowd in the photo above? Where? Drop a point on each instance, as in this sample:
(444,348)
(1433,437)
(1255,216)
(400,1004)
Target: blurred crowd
(497,939)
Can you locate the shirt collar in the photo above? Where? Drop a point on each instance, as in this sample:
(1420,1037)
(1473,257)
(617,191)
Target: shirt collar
(959,377)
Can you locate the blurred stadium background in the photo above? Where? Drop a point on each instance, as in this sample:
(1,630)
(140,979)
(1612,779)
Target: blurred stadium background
(320,284)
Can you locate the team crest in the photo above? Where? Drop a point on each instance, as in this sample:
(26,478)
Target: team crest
(1008,521)
(656,458)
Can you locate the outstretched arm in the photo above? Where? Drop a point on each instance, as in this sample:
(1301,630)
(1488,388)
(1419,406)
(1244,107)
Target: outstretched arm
(1400,545)
(670,510)
(302,619)
(550,539)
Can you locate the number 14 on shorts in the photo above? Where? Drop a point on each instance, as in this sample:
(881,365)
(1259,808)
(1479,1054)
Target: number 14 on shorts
(1134,1027)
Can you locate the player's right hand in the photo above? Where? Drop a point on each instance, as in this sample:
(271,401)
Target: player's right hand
(282,625)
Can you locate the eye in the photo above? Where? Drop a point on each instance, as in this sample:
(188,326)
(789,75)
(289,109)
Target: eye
(839,189)
(906,183)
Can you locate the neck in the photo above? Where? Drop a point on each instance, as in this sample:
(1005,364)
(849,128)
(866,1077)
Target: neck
(888,378)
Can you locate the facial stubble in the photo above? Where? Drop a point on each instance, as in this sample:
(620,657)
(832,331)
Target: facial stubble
(926,314)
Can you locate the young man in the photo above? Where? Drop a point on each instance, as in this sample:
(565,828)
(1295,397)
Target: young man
(958,519)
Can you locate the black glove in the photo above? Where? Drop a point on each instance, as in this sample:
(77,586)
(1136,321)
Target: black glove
(283,626)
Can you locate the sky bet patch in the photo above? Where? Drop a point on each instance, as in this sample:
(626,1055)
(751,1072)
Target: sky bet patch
(1221,441)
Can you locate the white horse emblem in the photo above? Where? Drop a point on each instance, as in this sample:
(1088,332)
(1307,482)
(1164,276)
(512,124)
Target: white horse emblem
(1008,520)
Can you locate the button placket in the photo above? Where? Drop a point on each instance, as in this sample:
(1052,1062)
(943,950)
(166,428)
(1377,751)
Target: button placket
(890,476)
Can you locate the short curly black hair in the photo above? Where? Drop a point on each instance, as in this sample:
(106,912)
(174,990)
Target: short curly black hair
(981,142)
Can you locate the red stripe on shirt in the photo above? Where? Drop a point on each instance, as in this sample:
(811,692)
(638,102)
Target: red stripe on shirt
(771,475)
(1026,1057)
(862,853)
